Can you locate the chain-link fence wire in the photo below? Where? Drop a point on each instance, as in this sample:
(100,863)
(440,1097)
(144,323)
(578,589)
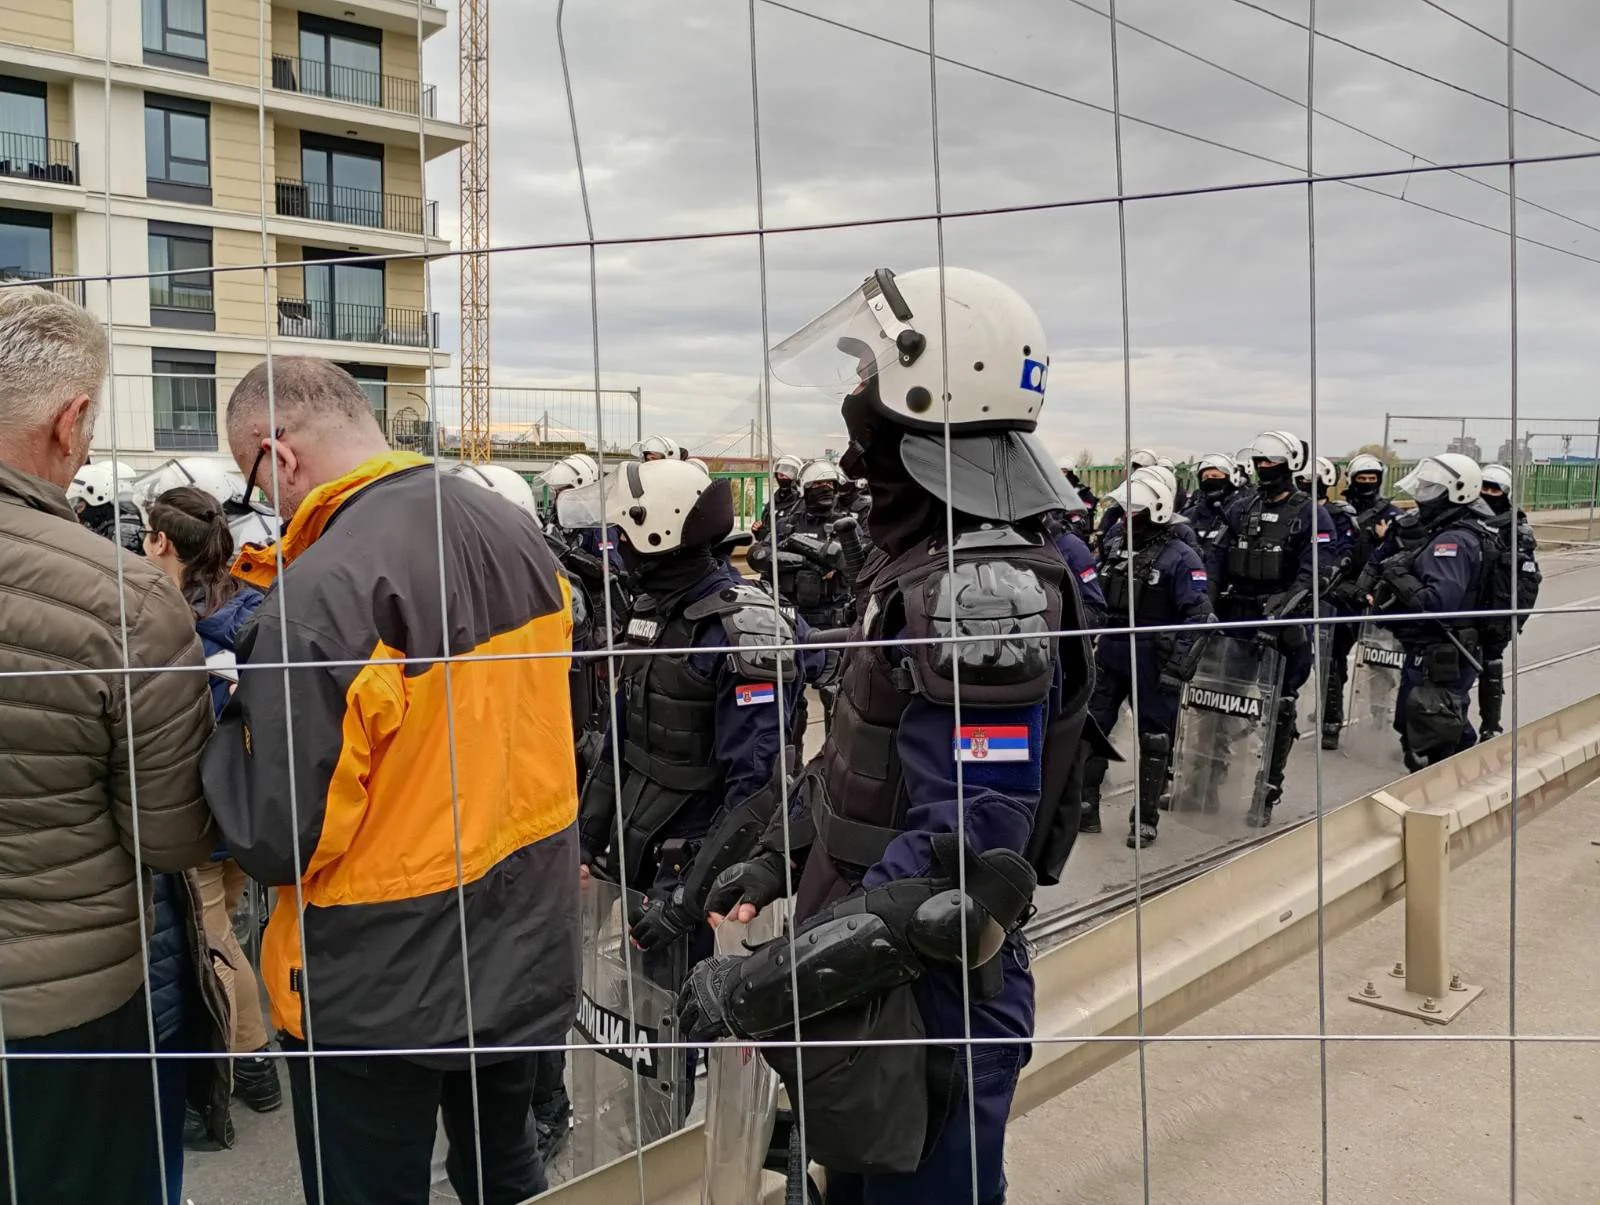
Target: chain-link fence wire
(164,403)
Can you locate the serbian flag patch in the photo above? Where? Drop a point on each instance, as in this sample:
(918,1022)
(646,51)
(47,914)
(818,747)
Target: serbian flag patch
(1324,537)
(1198,576)
(992,742)
(1444,550)
(749,694)
(1089,574)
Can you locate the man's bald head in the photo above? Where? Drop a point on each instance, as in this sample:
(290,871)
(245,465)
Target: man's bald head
(327,423)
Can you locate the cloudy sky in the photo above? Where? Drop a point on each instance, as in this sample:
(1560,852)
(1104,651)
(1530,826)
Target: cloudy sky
(1413,295)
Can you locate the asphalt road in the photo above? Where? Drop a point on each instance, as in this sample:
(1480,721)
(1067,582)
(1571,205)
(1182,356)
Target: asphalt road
(1558,653)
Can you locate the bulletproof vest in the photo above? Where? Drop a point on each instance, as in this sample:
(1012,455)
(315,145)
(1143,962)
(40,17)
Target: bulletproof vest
(1209,520)
(1261,559)
(1366,524)
(671,711)
(1143,580)
(1509,563)
(816,594)
(857,787)
(1493,569)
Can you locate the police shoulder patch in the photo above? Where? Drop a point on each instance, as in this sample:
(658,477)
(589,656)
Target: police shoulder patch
(1444,550)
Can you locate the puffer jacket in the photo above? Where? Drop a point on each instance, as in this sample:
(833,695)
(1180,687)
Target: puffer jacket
(72,781)
(219,634)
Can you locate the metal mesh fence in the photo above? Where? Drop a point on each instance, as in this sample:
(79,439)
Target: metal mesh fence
(490,757)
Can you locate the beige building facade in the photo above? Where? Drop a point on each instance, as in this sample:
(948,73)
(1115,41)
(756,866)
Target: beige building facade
(188,137)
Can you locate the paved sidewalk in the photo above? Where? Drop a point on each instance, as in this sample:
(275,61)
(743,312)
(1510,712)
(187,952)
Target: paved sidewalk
(1422,1122)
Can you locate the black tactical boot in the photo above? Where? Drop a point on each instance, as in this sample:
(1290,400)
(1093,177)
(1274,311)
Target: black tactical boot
(1094,776)
(1141,836)
(1330,734)
(1260,815)
(1089,817)
(255,1081)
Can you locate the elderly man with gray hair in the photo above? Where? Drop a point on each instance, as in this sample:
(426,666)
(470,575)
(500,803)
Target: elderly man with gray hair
(104,710)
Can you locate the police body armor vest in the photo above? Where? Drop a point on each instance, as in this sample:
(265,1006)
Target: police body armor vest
(1520,563)
(1209,520)
(1259,558)
(1151,604)
(1366,523)
(857,786)
(670,710)
(1492,571)
(817,596)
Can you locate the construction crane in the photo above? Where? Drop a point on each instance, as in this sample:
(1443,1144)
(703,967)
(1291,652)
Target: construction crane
(475,442)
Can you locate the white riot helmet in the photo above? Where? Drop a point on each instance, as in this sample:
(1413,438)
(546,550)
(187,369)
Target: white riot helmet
(498,479)
(820,470)
(1166,462)
(913,356)
(1146,492)
(1222,463)
(1141,458)
(215,477)
(1327,473)
(658,506)
(1497,475)
(1364,462)
(1158,472)
(1280,446)
(658,447)
(570,472)
(699,464)
(97,484)
(1449,476)
(788,468)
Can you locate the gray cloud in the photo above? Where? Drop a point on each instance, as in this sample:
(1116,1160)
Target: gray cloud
(1413,305)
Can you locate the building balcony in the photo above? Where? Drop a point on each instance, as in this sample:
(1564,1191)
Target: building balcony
(71,289)
(348,322)
(357,207)
(313,77)
(33,157)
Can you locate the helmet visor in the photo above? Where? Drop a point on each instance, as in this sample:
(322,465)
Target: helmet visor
(580,506)
(844,345)
(1429,480)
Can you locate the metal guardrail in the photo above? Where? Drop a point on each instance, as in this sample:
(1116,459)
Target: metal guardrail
(34,157)
(352,84)
(1210,936)
(307,318)
(356,207)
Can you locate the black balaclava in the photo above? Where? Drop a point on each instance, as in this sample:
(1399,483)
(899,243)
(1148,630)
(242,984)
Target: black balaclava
(1141,530)
(666,576)
(1216,488)
(1499,503)
(902,511)
(1361,494)
(786,491)
(1275,479)
(820,498)
(1434,509)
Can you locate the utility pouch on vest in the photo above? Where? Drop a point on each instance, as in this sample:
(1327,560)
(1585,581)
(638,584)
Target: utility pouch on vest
(1441,664)
(867,1105)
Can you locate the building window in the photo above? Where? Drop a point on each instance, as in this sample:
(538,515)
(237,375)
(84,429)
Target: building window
(374,382)
(183,299)
(177,149)
(24,146)
(175,34)
(343,180)
(341,60)
(24,245)
(346,300)
(184,389)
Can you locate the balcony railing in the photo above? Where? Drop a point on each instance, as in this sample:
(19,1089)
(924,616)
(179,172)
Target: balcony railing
(305,318)
(317,78)
(72,289)
(33,157)
(175,293)
(357,207)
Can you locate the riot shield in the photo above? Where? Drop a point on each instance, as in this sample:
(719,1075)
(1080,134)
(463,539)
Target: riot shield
(742,1092)
(1225,724)
(1369,733)
(626,1091)
(1308,722)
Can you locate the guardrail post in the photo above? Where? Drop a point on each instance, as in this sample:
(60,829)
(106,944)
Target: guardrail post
(1423,986)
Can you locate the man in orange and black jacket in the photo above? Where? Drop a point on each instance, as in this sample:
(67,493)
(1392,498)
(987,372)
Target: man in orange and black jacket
(421,812)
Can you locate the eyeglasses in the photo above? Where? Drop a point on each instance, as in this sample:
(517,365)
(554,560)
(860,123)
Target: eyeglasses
(255,469)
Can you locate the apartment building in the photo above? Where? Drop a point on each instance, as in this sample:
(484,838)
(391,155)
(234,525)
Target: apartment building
(237,132)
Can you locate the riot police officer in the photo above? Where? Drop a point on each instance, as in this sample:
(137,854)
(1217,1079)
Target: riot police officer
(1161,581)
(1219,480)
(1436,560)
(1114,535)
(785,498)
(1276,538)
(93,494)
(659,447)
(1138,458)
(1521,557)
(810,560)
(703,748)
(931,742)
(1179,494)
(1364,516)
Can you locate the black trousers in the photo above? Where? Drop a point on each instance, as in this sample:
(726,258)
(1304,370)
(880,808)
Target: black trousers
(83,1129)
(377,1117)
